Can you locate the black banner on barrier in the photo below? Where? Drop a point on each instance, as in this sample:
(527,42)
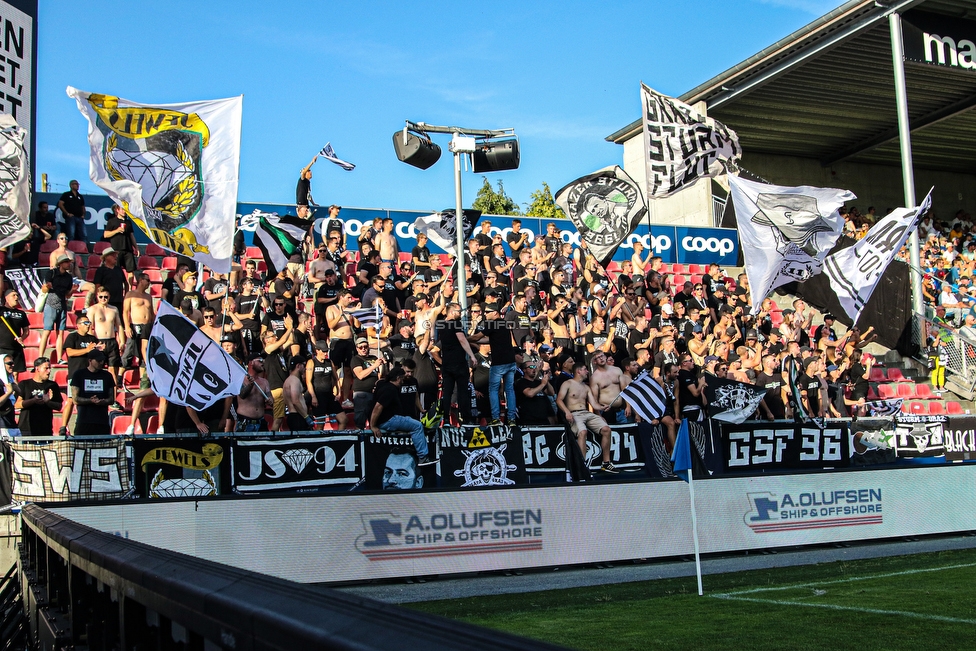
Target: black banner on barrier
(391,464)
(919,436)
(475,456)
(543,450)
(6,474)
(960,438)
(300,464)
(68,470)
(181,467)
(758,447)
(873,441)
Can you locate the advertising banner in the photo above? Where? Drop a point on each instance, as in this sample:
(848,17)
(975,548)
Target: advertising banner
(779,446)
(69,470)
(181,467)
(938,40)
(475,457)
(299,464)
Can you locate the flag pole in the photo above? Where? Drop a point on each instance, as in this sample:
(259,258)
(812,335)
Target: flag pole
(694,530)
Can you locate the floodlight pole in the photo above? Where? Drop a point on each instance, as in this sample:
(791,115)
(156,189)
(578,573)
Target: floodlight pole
(460,282)
(905,140)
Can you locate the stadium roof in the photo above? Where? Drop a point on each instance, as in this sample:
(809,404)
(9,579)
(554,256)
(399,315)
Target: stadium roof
(827,92)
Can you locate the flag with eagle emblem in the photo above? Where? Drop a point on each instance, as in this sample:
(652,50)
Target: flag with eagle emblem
(185,366)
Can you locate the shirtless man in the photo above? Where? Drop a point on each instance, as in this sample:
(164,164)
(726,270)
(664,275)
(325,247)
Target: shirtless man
(574,394)
(606,383)
(294,395)
(386,242)
(107,324)
(254,399)
(342,348)
(316,275)
(138,314)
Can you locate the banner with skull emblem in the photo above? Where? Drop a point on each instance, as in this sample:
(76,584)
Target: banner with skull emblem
(172,167)
(14,183)
(185,366)
(785,232)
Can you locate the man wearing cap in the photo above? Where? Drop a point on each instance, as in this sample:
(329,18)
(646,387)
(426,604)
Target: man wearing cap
(188,290)
(825,332)
(58,288)
(77,346)
(322,386)
(39,398)
(93,390)
(112,278)
(365,371)
(254,399)
(121,237)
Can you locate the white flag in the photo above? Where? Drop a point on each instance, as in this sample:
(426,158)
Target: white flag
(185,366)
(785,232)
(172,167)
(328,153)
(681,145)
(14,183)
(855,271)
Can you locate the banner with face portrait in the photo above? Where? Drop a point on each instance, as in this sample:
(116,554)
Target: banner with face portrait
(172,167)
(605,207)
(785,232)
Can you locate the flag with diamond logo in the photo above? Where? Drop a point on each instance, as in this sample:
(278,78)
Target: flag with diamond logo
(300,463)
(172,167)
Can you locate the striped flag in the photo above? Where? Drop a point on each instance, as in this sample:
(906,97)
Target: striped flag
(888,407)
(646,397)
(27,281)
(279,238)
(369,317)
(328,153)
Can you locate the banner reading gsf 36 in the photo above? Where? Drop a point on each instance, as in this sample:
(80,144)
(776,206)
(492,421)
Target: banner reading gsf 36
(172,167)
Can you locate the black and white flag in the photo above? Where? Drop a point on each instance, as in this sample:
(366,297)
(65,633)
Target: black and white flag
(328,153)
(786,232)
(27,281)
(888,407)
(279,238)
(14,183)
(605,207)
(369,317)
(185,366)
(646,397)
(855,271)
(731,401)
(681,145)
(441,227)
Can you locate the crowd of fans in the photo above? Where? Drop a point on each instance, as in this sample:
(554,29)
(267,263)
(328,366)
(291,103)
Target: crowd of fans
(548,335)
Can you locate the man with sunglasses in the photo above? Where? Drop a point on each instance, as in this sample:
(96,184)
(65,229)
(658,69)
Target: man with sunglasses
(334,227)
(111,278)
(321,264)
(39,398)
(254,399)
(77,346)
(107,323)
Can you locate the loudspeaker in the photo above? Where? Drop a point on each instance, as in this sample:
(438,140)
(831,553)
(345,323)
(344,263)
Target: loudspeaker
(419,152)
(496,155)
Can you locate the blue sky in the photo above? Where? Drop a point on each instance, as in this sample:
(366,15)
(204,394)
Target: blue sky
(564,75)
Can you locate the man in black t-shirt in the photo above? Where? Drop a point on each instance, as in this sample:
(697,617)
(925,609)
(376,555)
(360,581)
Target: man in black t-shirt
(860,376)
(39,398)
(110,276)
(14,327)
(516,237)
(118,231)
(690,389)
(531,394)
(93,390)
(72,207)
(484,238)
(503,361)
(774,402)
(385,417)
(455,353)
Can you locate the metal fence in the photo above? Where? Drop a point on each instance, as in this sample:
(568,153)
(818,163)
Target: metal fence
(960,349)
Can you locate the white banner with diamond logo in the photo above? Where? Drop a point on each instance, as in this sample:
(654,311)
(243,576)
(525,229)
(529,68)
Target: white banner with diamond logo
(263,465)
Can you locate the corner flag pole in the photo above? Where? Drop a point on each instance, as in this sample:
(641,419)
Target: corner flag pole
(681,461)
(694,532)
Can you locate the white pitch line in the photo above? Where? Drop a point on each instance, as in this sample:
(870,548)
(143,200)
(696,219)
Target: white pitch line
(847,580)
(872,611)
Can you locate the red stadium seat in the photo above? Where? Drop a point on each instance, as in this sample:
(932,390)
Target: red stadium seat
(877,375)
(887,391)
(25,375)
(613,265)
(156,290)
(152,425)
(905,390)
(36,319)
(72,320)
(100,246)
(923,392)
(872,394)
(895,375)
(94,261)
(44,259)
(61,378)
(695,279)
(33,338)
(154,249)
(147,262)
(918,408)
(56,422)
(48,246)
(936,408)
(696,269)
(78,246)
(30,354)
(678,280)
(120,424)
(155,275)
(78,303)
(169,262)
(90,274)
(677,268)
(253,252)
(954,408)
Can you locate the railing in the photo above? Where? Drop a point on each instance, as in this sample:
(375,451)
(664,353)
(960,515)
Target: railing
(87,588)
(960,350)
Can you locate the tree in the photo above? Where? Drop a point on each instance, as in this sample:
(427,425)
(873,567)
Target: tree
(494,203)
(543,205)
